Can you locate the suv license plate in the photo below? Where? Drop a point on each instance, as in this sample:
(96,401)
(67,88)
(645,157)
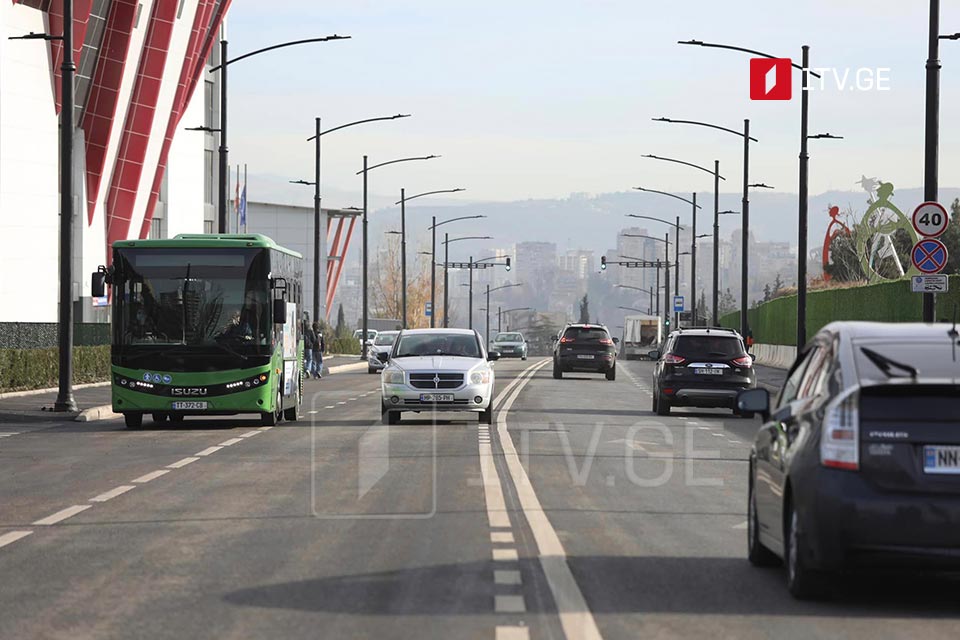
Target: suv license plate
(709,372)
(941,459)
(436,397)
(585,356)
(191,406)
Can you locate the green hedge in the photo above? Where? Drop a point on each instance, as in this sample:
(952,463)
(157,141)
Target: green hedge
(39,368)
(775,322)
(348,344)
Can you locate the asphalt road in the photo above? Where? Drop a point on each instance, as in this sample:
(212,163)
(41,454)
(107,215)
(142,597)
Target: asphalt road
(579,514)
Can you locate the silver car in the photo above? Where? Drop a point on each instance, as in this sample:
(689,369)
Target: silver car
(437,370)
(383,343)
(510,344)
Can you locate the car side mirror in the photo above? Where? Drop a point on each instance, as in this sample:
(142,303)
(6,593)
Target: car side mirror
(98,284)
(653,355)
(279,311)
(616,341)
(553,339)
(383,356)
(493,355)
(755,401)
(753,356)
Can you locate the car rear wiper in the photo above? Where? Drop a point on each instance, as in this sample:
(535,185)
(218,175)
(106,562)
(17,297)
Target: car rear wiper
(885,364)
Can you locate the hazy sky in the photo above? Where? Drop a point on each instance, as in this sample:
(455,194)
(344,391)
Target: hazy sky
(543,98)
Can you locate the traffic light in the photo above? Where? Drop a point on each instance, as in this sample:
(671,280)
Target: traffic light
(603,263)
(666,323)
(508,263)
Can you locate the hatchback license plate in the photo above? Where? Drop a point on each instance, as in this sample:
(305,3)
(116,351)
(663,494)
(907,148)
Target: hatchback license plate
(585,356)
(709,372)
(436,397)
(941,459)
(190,406)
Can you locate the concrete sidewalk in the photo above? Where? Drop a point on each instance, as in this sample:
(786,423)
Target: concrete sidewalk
(93,400)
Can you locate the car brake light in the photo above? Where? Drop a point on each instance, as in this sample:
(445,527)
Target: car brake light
(745,362)
(565,339)
(672,359)
(840,440)
(605,341)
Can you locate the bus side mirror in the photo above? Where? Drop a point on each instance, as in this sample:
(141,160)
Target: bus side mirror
(98,284)
(279,311)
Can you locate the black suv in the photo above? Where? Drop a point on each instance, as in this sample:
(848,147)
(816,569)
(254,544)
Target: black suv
(585,347)
(702,367)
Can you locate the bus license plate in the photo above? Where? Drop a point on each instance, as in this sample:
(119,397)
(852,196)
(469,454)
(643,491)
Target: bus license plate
(941,459)
(436,397)
(189,405)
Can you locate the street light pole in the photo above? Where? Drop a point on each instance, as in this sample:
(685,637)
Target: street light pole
(363,336)
(470,297)
(403,256)
(931,129)
(433,272)
(716,243)
(745,230)
(65,400)
(693,264)
(317,262)
(446,280)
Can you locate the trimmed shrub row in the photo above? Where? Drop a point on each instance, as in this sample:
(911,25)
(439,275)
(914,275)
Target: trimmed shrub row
(39,368)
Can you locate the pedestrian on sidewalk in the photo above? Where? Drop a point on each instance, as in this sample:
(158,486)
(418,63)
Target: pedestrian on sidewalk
(309,344)
(318,347)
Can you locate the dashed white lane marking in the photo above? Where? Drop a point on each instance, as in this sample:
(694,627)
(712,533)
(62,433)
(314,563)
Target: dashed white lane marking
(207,451)
(330,406)
(352,399)
(501,536)
(181,463)
(7,435)
(509,604)
(153,475)
(506,577)
(249,434)
(313,412)
(719,435)
(504,632)
(63,514)
(230,442)
(265,428)
(575,617)
(13,536)
(742,525)
(113,493)
(342,402)
(505,555)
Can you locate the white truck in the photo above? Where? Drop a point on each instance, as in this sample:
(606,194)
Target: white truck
(641,334)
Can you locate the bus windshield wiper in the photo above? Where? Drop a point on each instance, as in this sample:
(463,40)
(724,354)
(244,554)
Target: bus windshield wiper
(886,365)
(224,347)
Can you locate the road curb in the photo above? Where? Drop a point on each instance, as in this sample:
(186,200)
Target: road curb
(34,392)
(341,368)
(102,412)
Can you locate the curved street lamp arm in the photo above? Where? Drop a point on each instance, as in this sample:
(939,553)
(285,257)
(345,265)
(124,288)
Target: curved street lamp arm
(672,224)
(468,238)
(456,219)
(704,124)
(713,45)
(429,193)
(383,164)
(672,195)
(278,46)
(506,286)
(689,164)
(640,235)
(350,124)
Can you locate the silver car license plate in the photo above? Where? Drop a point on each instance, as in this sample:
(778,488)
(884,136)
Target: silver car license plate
(709,372)
(941,459)
(436,397)
(585,356)
(189,405)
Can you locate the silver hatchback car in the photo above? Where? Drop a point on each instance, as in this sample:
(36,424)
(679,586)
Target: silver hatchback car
(437,370)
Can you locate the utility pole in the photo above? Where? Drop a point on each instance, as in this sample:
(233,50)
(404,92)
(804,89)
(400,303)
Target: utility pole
(931,147)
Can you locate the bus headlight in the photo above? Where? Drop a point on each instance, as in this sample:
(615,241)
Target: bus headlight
(393,377)
(480,377)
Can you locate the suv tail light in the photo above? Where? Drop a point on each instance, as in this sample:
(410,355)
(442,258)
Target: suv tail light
(605,341)
(744,361)
(840,439)
(672,359)
(565,339)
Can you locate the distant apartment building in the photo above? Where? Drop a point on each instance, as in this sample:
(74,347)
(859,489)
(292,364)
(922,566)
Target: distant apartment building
(536,267)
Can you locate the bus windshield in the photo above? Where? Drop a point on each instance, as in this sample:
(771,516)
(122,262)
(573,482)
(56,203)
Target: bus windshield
(211,299)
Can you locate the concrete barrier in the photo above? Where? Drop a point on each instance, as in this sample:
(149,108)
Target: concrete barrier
(780,356)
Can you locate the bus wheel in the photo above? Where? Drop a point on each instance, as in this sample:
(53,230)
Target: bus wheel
(291,413)
(271,418)
(159,417)
(133,420)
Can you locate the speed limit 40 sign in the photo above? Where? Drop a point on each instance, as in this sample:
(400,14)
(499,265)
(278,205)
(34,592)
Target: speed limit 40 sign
(930,219)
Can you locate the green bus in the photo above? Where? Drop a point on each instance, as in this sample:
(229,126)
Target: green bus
(205,325)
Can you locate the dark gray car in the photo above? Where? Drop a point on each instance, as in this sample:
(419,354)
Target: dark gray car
(857,463)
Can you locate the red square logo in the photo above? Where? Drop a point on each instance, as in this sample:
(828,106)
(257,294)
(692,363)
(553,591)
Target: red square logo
(771,79)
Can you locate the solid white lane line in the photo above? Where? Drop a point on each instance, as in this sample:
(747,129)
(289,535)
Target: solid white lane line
(208,451)
(230,442)
(181,463)
(505,555)
(575,617)
(113,493)
(504,632)
(13,536)
(501,536)
(63,514)
(153,475)
(502,576)
(509,604)
(8,434)
(249,434)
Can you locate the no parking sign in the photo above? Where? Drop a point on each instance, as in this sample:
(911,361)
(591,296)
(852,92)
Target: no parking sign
(929,255)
